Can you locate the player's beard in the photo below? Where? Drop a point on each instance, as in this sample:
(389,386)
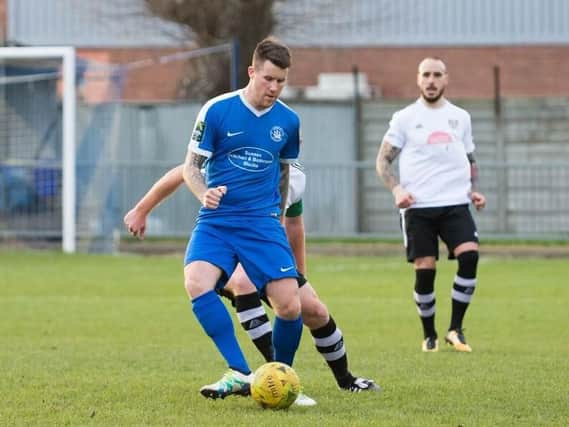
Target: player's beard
(433,99)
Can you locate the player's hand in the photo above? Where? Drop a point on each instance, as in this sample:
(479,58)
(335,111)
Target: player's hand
(135,223)
(403,199)
(478,199)
(212,197)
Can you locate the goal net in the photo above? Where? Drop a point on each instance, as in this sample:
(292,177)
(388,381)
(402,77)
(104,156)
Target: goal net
(82,139)
(37,145)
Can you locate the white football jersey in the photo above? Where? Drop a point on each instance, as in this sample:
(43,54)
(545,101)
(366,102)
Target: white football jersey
(296,184)
(434,142)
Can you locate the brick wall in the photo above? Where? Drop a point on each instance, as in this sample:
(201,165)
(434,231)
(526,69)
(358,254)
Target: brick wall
(2,20)
(158,82)
(525,70)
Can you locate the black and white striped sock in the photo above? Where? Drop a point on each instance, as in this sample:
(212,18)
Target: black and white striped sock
(329,342)
(463,287)
(254,319)
(424,296)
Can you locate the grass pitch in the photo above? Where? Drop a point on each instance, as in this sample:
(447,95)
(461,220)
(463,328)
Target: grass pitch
(101,340)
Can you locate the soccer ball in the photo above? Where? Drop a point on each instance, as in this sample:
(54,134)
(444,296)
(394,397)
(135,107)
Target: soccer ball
(275,386)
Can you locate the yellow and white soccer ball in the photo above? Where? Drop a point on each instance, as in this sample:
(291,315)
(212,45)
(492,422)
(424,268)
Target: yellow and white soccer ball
(275,386)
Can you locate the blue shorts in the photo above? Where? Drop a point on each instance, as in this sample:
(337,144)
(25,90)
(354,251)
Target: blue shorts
(260,245)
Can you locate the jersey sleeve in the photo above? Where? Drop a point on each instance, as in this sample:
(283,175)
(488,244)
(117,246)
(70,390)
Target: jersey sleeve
(395,135)
(289,153)
(296,184)
(202,140)
(294,210)
(467,138)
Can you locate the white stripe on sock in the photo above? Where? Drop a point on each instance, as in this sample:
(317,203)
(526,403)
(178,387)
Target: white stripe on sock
(260,330)
(460,296)
(464,282)
(423,298)
(329,340)
(245,316)
(426,313)
(334,355)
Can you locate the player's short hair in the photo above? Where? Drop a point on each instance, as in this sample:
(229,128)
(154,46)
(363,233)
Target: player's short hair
(270,49)
(433,58)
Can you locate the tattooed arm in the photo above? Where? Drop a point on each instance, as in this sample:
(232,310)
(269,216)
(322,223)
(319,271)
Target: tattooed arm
(384,167)
(209,197)
(473,171)
(384,164)
(477,198)
(283,186)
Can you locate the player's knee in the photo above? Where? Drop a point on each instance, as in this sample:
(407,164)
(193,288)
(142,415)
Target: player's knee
(292,310)
(240,286)
(195,287)
(425,263)
(467,264)
(288,310)
(239,283)
(314,313)
(284,297)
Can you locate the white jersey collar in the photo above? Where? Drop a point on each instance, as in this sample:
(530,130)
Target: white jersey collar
(421,102)
(256,112)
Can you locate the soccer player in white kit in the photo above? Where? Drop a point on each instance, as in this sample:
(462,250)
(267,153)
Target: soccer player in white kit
(437,181)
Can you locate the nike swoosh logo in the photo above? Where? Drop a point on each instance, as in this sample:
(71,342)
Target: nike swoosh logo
(283,269)
(230,134)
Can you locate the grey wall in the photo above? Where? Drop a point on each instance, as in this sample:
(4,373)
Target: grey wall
(118,23)
(328,152)
(101,23)
(423,22)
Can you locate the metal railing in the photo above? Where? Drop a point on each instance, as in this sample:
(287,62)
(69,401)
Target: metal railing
(535,201)
(341,200)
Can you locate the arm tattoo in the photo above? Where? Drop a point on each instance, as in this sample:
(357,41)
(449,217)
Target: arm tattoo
(387,154)
(193,175)
(473,171)
(195,167)
(283,185)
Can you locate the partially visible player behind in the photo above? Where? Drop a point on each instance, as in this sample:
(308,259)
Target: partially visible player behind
(328,338)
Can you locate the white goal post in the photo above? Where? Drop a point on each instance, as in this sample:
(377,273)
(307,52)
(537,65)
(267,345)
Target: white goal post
(67,77)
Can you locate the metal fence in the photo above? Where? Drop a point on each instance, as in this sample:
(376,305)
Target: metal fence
(124,148)
(535,203)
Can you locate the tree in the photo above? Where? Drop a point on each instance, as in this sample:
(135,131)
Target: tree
(213,22)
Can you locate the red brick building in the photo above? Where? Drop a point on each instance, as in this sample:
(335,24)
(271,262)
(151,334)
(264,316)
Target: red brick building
(533,71)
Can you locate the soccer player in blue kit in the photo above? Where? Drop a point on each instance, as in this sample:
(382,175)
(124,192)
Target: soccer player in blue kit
(327,336)
(248,138)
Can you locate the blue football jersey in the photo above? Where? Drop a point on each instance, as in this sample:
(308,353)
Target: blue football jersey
(244,147)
